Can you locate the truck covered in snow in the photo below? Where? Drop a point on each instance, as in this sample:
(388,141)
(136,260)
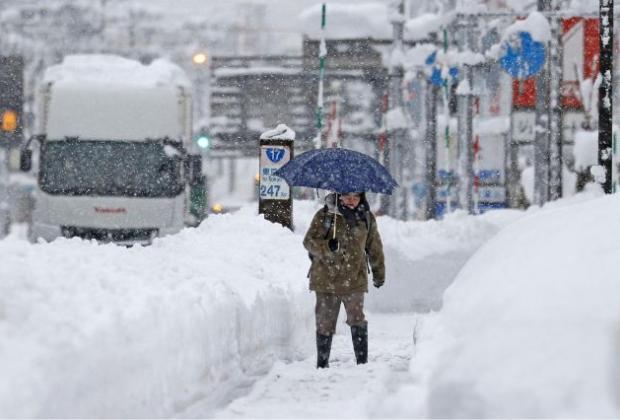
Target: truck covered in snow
(115,139)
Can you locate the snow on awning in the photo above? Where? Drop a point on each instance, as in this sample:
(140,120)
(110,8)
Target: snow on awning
(254,71)
(421,26)
(492,126)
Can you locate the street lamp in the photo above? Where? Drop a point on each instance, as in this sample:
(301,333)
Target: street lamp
(199,58)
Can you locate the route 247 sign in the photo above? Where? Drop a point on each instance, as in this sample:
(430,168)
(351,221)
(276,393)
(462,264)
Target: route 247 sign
(273,187)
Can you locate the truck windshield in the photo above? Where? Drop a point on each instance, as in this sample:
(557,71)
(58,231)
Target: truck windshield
(111,168)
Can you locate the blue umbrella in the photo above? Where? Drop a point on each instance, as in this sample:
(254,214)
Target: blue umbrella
(340,170)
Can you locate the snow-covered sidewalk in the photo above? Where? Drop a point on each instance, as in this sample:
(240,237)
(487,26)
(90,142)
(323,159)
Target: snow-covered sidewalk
(299,390)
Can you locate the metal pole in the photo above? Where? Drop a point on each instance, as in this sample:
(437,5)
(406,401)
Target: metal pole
(384,202)
(555,111)
(605,106)
(4,191)
(322,55)
(465,123)
(395,72)
(541,136)
(430,148)
(446,131)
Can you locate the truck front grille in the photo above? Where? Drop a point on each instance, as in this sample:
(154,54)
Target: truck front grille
(111,235)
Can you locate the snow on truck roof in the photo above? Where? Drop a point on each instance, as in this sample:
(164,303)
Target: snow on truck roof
(104,69)
(107,97)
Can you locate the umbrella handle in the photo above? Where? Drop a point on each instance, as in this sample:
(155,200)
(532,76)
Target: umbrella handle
(335,218)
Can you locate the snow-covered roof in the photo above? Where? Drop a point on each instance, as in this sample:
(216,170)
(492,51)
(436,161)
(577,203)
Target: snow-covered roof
(347,21)
(107,69)
(248,71)
(367,20)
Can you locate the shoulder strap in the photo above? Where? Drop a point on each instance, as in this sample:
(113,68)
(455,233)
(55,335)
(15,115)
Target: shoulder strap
(327,222)
(368,221)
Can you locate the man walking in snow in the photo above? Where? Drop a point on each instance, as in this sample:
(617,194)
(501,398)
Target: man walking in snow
(342,240)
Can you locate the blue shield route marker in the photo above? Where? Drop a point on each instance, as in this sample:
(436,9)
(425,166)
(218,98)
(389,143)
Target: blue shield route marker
(523,57)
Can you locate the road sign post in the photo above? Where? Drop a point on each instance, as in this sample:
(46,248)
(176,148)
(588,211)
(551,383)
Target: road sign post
(275,201)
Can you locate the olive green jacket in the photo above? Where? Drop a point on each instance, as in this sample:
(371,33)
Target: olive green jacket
(345,270)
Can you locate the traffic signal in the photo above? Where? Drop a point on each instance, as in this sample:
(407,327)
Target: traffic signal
(203,141)
(8,121)
(11,100)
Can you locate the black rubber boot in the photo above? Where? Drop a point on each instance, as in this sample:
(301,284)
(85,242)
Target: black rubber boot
(360,343)
(323,347)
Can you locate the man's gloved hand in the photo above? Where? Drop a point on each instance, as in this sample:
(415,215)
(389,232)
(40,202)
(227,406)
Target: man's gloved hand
(378,283)
(333,244)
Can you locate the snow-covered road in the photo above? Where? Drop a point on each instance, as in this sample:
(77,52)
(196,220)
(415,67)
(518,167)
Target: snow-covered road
(299,390)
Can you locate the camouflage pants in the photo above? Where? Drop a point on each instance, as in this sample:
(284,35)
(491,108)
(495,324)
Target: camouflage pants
(328,306)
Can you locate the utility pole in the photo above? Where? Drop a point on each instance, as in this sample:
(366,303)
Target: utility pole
(605,105)
(465,119)
(541,136)
(395,138)
(430,149)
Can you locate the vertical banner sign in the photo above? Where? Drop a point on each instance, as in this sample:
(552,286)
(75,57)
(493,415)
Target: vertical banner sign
(273,158)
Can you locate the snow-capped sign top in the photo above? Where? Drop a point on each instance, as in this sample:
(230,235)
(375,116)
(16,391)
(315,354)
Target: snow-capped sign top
(464,88)
(347,21)
(107,69)
(535,24)
(281,132)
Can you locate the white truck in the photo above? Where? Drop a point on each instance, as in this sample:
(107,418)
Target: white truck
(114,162)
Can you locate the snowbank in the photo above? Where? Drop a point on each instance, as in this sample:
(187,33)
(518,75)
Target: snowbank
(103,331)
(569,183)
(423,257)
(531,325)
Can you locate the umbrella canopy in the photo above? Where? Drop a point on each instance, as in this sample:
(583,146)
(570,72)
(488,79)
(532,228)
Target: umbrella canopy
(340,170)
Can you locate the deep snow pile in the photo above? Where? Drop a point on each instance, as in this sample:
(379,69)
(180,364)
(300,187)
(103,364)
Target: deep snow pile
(531,325)
(423,257)
(103,331)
